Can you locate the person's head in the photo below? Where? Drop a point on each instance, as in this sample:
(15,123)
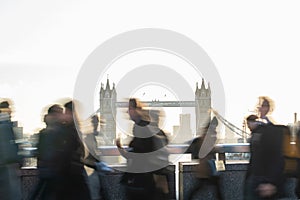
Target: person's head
(69,109)
(95,121)
(55,109)
(54,114)
(132,107)
(136,111)
(265,106)
(4,104)
(5,107)
(214,122)
(251,122)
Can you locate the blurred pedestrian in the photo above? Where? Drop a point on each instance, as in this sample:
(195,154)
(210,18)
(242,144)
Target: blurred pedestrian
(97,168)
(202,148)
(61,157)
(91,141)
(10,162)
(146,156)
(265,176)
(51,156)
(76,179)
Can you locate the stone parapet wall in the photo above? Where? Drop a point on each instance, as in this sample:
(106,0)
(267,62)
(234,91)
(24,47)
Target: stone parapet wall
(231,181)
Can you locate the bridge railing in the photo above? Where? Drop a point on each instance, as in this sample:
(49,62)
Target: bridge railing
(180,148)
(111,154)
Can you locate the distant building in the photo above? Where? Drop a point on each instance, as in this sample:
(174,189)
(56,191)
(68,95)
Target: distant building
(202,107)
(183,132)
(108,110)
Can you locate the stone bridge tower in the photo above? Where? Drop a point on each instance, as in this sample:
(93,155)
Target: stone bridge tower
(202,107)
(108,110)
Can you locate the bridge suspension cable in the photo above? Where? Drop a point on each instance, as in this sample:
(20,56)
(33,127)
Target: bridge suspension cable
(230,126)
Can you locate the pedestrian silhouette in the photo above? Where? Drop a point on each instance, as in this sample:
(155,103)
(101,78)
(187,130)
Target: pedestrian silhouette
(51,156)
(265,176)
(76,182)
(61,157)
(146,156)
(10,162)
(202,148)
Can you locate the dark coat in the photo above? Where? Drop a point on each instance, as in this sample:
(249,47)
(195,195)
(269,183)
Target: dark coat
(147,157)
(51,158)
(60,162)
(267,161)
(8,147)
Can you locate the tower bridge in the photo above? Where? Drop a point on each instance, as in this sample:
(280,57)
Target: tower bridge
(201,103)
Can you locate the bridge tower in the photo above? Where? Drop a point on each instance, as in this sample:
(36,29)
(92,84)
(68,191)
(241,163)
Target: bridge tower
(108,110)
(202,107)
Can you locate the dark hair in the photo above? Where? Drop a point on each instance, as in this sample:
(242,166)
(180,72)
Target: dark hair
(69,105)
(252,118)
(132,103)
(55,109)
(4,104)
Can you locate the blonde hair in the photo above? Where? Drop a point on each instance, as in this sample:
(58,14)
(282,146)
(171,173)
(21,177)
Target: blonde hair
(268,100)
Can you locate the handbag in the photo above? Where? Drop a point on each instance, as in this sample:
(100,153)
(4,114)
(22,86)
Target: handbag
(216,166)
(212,167)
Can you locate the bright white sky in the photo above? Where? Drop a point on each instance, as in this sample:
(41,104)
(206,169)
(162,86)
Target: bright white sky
(254,45)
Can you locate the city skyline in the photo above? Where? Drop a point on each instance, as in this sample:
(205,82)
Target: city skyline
(45,44)
(199,109)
